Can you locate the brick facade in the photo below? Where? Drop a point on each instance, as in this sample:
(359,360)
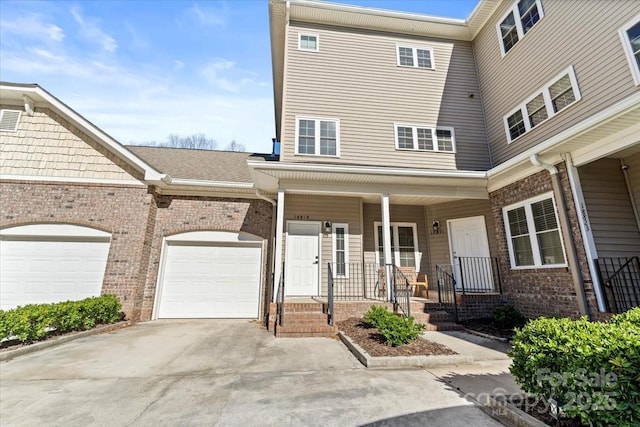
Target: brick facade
(137,220)
(541,291)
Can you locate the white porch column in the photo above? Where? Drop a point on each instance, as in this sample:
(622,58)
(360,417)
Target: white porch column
(386,243)
(277,268)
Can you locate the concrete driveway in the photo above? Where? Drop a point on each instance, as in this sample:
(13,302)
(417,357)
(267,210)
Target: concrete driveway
(223,373)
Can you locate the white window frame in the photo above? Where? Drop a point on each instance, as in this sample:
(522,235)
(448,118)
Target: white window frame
(414,131)
(15,128)
(414,52)
(535,248)
(628,50)
(518,20)
(547,101)
(317,49)
(317,135)
(335,226)
(395,243)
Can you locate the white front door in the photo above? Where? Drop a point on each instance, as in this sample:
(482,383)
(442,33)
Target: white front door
(302,260)
(470,254)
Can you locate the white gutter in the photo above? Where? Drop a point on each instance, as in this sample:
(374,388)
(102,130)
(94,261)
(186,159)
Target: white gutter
(168,180)
(263,197)
(537,162)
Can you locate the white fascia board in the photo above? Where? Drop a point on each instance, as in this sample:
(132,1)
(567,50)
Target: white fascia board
(602,117)
(370,170)
(150,174)
(169,181)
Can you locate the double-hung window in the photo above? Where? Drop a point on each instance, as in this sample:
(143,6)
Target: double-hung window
(340,250)
(425,138)
(520,18)
(308,42)
(554,97)
(411,56)
(404,244)
(318,137)
(630,35)
(533,233)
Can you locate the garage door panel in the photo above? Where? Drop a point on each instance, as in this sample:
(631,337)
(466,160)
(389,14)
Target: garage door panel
(215,281)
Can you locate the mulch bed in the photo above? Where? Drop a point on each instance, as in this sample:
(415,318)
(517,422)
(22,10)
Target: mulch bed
(488,326)
(373,342)
(540,410)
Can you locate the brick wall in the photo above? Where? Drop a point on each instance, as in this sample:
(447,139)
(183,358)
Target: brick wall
(122,211)
(181,214)
(541,291)
(479,306)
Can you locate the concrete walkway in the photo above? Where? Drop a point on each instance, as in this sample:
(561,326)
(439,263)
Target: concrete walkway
(223,373)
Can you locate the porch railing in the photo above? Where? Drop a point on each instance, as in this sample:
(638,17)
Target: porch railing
(401,290)
(479,274)
(447,290)
(621,280)
(280,298)
(357,281)
(330,289)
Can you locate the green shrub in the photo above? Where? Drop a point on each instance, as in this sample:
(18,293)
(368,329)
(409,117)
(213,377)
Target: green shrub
(508,317)
(33,322)
(395,329)
(591,368)
(632,316)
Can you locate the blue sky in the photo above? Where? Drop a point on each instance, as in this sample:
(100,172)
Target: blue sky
(141,70)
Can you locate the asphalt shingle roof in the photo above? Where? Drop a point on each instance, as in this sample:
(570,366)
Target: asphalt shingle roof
(229,166)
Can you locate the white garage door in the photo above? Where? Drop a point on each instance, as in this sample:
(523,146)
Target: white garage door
(51,263)
(210,280)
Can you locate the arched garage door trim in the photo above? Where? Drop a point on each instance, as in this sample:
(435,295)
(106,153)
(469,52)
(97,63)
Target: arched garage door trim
(209,274)
(45,263)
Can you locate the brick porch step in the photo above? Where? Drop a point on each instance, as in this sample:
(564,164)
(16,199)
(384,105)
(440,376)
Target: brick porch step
(443,326)
(432,317)
(301,331)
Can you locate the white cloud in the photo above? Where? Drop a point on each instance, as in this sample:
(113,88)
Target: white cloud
(90,29)
(224,75)
(206,16)
(33,26)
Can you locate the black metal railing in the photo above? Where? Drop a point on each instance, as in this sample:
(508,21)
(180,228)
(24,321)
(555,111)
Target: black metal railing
(447,290)
(621,280)
(358,281)
(401,291)
(330,289)
(280,298)
(479,274)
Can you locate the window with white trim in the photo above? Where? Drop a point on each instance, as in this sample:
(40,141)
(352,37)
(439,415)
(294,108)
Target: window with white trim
(318,137)
(533,233)
(404,244)
(425,138)
(411,56)
(630,36)
(522,16)
(9,120)
(309,42)
(555,96)
(340,237)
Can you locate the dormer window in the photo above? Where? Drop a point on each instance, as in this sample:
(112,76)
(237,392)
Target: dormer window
(308,42)
(411,56)
(522,16)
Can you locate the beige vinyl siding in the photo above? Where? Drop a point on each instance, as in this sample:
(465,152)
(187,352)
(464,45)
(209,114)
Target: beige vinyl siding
(398,213)
(355,78)
(45,145)
(610,213)
(634,176)
(569,34)
(343,210)
(439,250)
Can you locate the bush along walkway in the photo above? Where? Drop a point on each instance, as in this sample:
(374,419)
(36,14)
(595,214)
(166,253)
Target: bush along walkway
(36,322)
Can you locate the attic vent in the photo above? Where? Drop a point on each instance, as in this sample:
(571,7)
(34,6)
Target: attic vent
(9,120)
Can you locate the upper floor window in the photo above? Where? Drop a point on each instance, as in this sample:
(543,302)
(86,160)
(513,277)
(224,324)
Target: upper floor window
(9,120)
(554,97)
(319,137)
(421,57)
(425,138)
(308,42)
(522,16)
(630,35)
(533,234)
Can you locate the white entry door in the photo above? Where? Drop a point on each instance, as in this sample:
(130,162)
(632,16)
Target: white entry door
(302,260)
(470,253)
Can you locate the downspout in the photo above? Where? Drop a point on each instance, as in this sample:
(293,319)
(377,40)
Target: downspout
(572,255)
(625,172)
(269,296)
